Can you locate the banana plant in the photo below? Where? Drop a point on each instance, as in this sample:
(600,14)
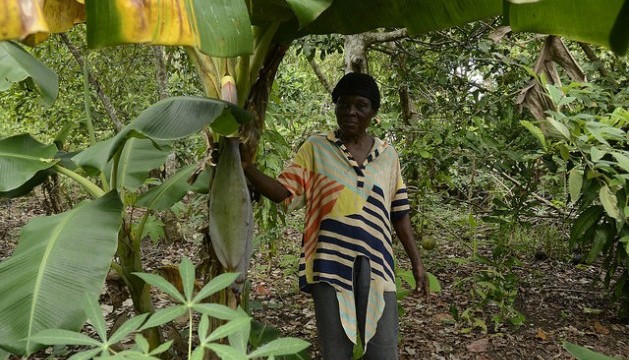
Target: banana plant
(61,257)
(247,39)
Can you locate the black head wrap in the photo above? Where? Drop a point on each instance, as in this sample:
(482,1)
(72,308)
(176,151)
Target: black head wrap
(358,84)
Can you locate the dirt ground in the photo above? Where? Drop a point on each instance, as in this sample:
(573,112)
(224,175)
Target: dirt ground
(560,301)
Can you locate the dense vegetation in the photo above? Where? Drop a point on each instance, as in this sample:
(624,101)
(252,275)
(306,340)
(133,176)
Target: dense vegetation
(482,169)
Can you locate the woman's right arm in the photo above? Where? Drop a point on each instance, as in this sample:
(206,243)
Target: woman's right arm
(265,185)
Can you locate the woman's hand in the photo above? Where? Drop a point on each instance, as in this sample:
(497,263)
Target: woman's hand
(404,231)
(422,285)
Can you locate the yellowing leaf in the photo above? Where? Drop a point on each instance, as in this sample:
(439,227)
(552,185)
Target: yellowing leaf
(216,27)
(19,19)
(600,328)
(541,334)
(33,19)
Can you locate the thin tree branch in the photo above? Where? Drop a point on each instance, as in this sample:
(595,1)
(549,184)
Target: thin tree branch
(381,37)
(587,49)
(109,108)
(322,79)
(161,74)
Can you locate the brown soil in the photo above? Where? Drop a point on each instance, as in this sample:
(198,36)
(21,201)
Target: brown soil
(560,301)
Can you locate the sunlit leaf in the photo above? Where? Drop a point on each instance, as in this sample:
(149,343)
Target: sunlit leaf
(535,131)
(186,271)
(226,352)
(559,127)
(218,283)
(162,316)
(308,11)
(623,160)
(128,327)
(575,182)
(596,153)
(610,203)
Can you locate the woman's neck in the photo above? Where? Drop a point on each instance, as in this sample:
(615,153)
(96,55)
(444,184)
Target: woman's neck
(356,140)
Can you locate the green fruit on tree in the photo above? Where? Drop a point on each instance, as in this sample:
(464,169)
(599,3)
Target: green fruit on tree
(429,242)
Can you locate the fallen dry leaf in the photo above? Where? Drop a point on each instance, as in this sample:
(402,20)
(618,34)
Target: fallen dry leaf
(478,345)
(541,334)
(600,328)
(262,289)
(444,318)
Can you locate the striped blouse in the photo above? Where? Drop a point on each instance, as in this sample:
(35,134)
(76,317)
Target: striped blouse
(349,213)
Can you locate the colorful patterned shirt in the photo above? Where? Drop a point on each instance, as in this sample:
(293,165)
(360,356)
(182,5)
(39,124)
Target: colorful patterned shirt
(349,212)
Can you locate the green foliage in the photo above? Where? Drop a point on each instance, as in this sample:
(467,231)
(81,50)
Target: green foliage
(22,157)
(591,145)
(582,353)
(58,260)
(493,292)
(18,66)
(236,328)
(53,240)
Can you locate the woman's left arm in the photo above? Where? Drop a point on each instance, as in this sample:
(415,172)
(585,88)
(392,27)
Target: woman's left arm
(404,231)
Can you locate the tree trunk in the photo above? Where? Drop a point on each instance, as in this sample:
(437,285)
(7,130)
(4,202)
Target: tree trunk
(355,50)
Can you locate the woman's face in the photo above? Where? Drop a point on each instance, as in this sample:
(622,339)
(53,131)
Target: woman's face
(353,114)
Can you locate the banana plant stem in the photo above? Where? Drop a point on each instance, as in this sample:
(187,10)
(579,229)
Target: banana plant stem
(92,188)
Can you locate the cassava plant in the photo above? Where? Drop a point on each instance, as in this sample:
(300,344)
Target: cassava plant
(40,269)
(236,328)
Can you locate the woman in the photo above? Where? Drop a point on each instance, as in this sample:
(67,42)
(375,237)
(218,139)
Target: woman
(351,185)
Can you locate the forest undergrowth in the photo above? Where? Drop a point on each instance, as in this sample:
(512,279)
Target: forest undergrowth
(519,305)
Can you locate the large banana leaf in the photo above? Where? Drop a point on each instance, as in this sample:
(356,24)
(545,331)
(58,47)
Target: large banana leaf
(28,186)
(604,23)
(21,157)
(168,119)
(167,194)
(17,65)
(419,16)
(138,158)
(57,261)
(216,27)
(221,28)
